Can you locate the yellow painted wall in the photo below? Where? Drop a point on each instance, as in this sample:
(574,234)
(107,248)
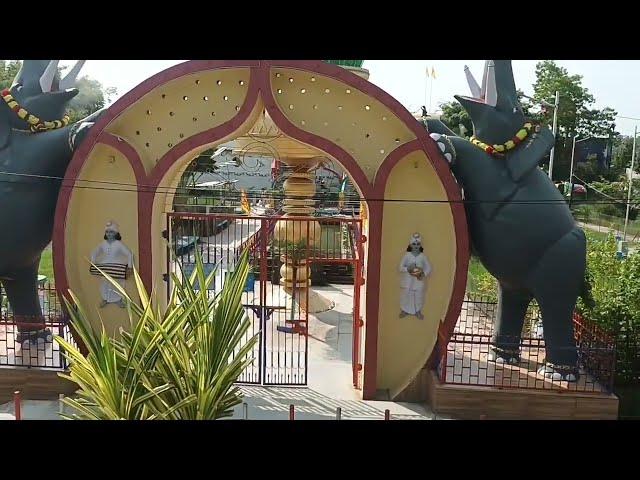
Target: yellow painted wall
(404,344)
(329,108)
(369,135)
(163,201)
(174,111)
(89,210)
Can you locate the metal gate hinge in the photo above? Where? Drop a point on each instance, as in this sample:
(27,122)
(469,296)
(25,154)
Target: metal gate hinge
(165,277)
(165,234)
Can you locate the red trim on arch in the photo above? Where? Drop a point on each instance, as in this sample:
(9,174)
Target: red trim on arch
(145,213)
(448,323)
(260,82)
(132,156)
(114,111)
(291,130)
(126,149)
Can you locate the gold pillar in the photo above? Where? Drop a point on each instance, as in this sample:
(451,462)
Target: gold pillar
(295,234)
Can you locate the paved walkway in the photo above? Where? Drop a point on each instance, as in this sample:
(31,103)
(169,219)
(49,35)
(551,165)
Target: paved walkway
(603,229)
(270,403)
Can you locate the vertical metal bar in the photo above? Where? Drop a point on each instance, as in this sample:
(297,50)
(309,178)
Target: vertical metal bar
(633,157)
(60,403)
(555,129)
(387,414)
(169,254)
(245,411)
(17,403)
(355,357)
(292,412)
(262,342)
(306,310)
(573,152)
(338,413)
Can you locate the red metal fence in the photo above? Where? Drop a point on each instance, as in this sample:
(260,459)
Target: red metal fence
(467,359)
(41,350)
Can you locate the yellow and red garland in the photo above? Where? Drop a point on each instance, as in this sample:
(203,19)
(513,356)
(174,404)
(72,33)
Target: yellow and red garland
(35,124)
(508,145)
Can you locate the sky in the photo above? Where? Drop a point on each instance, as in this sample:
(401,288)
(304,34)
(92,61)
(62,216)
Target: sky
(613,83)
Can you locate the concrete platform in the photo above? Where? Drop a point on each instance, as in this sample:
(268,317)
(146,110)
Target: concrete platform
(472,402)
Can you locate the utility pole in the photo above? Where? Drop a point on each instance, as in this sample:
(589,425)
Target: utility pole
(555,130)
(633,157)
(573,152)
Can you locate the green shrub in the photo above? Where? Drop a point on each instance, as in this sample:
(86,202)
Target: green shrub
(614,302)
(179,364)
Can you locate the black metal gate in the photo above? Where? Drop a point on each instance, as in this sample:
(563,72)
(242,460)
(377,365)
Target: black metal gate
(274,305)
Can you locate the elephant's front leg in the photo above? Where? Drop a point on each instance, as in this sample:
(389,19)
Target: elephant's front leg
(22,291)
(512,310)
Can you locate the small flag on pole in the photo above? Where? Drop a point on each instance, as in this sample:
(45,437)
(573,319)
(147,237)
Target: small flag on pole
(244,202)
(433,72)
(428,74)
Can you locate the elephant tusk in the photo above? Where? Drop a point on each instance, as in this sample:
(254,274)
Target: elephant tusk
(473,85)
(46,80)
(491,95)
(483,90)
(70,78)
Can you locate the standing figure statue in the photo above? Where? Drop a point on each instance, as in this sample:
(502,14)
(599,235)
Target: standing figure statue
(415,268)
(520,225)
(37,142)
(115,259)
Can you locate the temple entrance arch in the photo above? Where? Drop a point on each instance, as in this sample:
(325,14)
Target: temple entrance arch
(145,140)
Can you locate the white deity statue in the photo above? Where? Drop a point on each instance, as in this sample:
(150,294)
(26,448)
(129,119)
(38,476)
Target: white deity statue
(414,268)
(114,258)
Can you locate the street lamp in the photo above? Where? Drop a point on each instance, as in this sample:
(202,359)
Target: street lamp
(633,157)
(554,127)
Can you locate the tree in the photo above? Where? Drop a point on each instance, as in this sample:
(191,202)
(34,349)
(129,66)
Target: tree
(8,71)
(622,150)
(574,115)
(453,115)
(199,166)
(92,97)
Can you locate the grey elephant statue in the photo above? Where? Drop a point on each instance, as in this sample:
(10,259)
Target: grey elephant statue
(520,225)
(36,145)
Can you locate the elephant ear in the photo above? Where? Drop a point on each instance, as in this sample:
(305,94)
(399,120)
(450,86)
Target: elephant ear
(528,156)
(5,126)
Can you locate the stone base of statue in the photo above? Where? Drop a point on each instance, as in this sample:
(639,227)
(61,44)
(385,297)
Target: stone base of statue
(474,402)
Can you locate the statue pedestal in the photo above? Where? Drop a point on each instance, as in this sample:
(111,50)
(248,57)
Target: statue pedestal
(470,402)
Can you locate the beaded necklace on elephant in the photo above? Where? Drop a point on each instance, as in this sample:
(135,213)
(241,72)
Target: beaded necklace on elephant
(35,123)
(508,145)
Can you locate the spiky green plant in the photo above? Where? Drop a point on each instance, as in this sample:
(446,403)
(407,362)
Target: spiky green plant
(176,364)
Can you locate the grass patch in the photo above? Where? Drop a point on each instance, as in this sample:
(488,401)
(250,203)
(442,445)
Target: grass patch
(46,264)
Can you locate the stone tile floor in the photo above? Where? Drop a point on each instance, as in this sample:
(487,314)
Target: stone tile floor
(269,403)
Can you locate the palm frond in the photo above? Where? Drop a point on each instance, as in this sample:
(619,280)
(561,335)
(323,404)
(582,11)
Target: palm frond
(180,363)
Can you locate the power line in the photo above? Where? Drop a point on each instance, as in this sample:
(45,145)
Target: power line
(151,189)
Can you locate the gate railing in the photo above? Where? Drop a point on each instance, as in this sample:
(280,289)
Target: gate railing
(275,312)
